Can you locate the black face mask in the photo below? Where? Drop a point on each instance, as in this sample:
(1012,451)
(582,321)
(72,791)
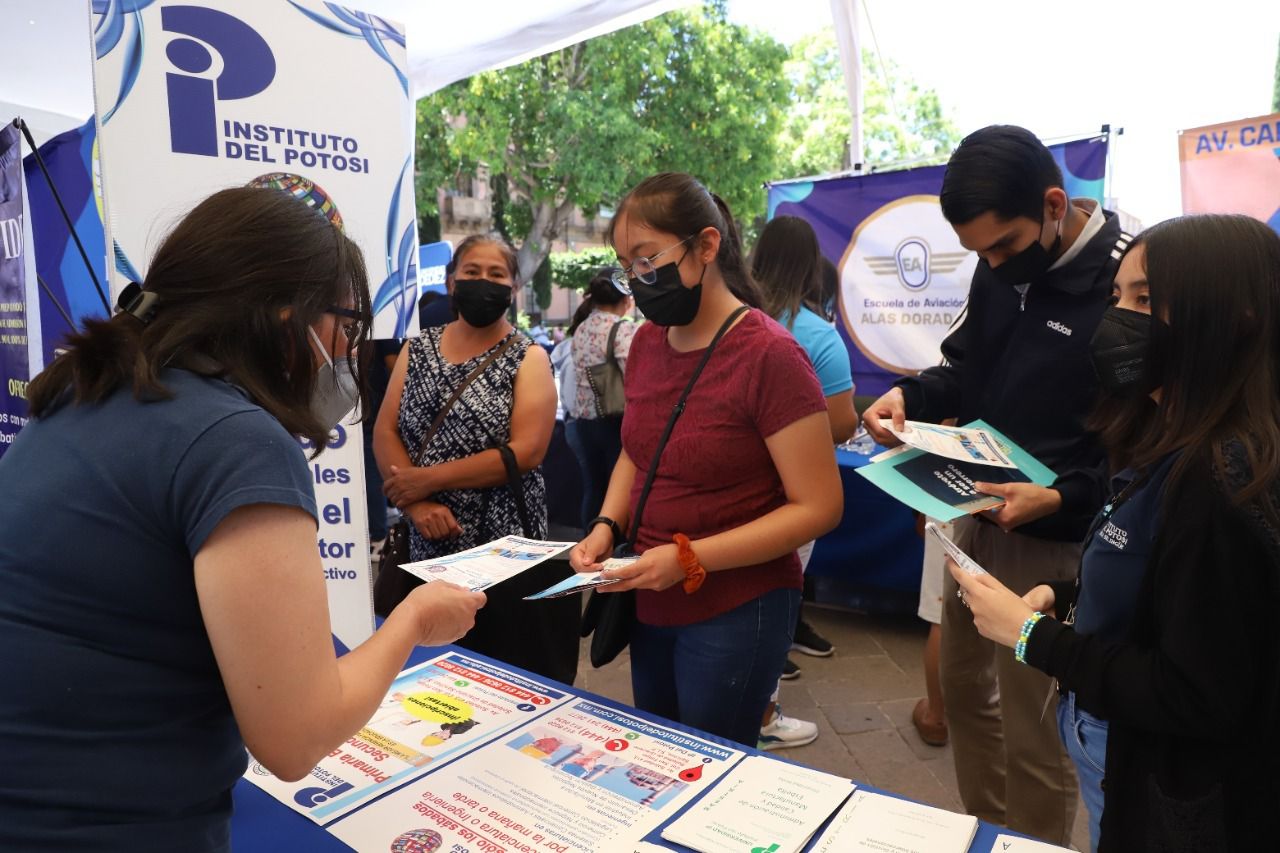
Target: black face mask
(1028,265)
(1121,353)
(667,301)
(480,302)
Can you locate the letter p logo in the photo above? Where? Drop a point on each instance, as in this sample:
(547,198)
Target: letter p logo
(248,67)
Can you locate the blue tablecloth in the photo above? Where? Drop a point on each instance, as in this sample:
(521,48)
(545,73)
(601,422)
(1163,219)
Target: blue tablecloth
(261,824)
(871,561)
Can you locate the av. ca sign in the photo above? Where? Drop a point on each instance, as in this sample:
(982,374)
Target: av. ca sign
(904,279)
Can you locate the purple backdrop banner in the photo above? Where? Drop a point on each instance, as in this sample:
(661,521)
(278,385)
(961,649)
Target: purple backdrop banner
(904,277)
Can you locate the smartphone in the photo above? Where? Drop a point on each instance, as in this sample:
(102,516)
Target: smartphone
(961,559)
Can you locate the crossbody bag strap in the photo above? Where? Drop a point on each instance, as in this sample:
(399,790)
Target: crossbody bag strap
(610,353)
(457,394)
(676,411)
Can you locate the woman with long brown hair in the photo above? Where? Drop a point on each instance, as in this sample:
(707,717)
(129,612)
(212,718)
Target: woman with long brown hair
(747,474)
(164,603)
(1168,663)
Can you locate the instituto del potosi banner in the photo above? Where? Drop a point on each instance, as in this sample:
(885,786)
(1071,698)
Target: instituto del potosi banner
(196,96)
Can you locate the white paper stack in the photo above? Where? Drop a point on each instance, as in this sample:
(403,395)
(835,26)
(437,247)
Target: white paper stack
(762,804)
(1012,844)
(876,822)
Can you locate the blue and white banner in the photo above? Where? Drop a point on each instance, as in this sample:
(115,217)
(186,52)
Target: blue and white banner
(199,95)
(20,351)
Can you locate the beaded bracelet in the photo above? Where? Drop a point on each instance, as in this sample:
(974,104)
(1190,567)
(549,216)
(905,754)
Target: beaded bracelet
(1020,650)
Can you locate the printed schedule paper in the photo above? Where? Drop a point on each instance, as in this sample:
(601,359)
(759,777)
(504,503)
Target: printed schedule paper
(433,711)
(765,805)
(875,822)
(583,778)
(486,565)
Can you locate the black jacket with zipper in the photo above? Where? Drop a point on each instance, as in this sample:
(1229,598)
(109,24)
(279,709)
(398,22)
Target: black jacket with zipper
(1021,363)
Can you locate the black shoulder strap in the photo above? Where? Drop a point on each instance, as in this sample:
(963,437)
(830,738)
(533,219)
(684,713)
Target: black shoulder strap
(610,355)
(676,412)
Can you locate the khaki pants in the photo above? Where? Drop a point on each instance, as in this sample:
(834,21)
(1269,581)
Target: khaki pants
(1010,764)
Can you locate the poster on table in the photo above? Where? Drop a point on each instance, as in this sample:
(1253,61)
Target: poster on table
(432,712)
(193,97)
(21,356)
(582,778)
(1233,167)
(904,277)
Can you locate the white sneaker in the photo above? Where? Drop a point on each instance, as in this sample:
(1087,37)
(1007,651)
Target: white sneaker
(785,732)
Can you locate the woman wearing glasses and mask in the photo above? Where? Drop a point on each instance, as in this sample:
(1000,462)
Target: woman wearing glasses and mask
(747,474)
(1167,657)
(164,603)
(442,458)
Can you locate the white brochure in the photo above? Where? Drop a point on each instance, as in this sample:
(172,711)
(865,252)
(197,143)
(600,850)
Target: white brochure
(485,565)
(875,822)
(435,710)
(765,805)
(580,779)
(1013,844)
(966,444)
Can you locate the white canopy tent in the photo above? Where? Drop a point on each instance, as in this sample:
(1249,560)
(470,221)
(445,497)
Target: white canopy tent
(46,45)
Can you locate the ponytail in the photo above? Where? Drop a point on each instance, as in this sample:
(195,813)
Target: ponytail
(732,267)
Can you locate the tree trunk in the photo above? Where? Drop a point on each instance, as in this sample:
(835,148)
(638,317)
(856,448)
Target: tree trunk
(548,220)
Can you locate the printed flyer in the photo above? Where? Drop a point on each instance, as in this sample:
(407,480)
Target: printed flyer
(483,566)
(435,710)
(582,778)
(942,487)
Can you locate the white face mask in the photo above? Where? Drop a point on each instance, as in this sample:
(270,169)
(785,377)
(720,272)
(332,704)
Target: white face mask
(335,392)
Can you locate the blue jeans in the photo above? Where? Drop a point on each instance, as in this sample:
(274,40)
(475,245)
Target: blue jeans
(716,675)
(596,443)
(1085,738)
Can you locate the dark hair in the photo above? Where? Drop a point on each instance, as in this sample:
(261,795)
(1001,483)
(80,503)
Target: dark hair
(785,265)
(823,303)
(1215,280)
(428,297)
(1003,169)
(679,204)
(508,251)
(239,280)
(600,291)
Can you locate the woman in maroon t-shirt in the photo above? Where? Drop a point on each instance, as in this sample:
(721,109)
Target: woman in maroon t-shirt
(747,475)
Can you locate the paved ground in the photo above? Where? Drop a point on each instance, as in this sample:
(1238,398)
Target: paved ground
(861,699)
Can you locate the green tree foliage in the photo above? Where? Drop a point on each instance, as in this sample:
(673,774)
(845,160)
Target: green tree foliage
(900,121)
(574,270)
(575,128)
(1275,96)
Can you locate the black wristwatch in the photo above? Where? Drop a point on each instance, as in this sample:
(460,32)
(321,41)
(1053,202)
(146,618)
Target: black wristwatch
(616,531)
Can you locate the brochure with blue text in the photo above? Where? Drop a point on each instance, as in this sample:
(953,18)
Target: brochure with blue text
(942,487)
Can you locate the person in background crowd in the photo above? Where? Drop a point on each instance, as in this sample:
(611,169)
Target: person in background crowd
(1019,361)
(787,265)
(462,496)
(434,307)
(1170,670)
(929,714)
(538,333)
(597,439)
(747,476)
(169,608)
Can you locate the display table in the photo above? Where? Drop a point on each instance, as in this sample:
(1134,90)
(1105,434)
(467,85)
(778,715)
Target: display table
(871,560)
(263,825)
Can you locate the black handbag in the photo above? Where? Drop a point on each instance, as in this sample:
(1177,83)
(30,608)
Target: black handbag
(606,381)
(392,585)
(609,616)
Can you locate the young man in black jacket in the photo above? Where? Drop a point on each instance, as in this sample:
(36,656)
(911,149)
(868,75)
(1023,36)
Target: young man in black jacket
(1019,360)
